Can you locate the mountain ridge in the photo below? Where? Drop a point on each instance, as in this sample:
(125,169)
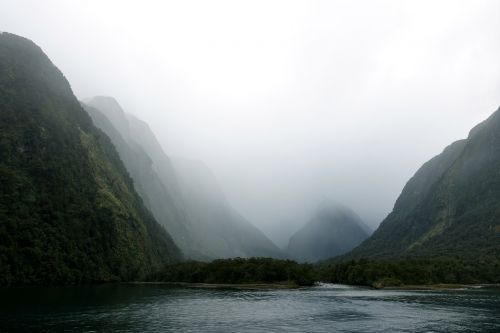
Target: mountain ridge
(450,206)
(68,209)
(209,227)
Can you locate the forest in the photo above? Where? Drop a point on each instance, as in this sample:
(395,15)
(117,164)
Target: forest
(376,273)
(381,273)
(239,271)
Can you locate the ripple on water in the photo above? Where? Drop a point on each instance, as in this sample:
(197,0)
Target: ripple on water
(324,308)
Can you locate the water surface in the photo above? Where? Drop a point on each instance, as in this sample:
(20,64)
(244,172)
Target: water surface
(325,308)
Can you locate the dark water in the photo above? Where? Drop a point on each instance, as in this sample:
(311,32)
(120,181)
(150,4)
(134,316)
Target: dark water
(326,308)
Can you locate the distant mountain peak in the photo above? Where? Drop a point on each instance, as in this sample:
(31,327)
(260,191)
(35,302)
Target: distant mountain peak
(333,207)
(333,230)
(108,103)
(112,109)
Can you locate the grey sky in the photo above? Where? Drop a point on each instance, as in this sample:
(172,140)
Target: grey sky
(289,102)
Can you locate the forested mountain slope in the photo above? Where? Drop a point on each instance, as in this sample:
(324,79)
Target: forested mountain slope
(68,209)
(451,206)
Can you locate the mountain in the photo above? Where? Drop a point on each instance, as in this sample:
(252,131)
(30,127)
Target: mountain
(221,231)
(332,231)
(68,209)
(159,198)
(451,206)
(182,194)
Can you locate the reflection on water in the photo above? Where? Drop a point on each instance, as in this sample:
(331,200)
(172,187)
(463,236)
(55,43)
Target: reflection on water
(325,308)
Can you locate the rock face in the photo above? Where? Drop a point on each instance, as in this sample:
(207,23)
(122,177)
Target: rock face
(182,194)
(451,206)
(333,231)
(69,212)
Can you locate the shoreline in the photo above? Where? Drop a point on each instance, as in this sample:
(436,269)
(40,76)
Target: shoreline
(441,287)
(237,286)
(289,286)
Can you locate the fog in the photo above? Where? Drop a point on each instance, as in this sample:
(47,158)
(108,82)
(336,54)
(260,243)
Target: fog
(290,103)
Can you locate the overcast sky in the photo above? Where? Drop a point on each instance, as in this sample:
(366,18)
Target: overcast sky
(289,102)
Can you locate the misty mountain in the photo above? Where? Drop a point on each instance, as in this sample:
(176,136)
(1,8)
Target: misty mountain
(160,199)
(451,206)
(332,231)
(183,195)
(68,209)
(221,231)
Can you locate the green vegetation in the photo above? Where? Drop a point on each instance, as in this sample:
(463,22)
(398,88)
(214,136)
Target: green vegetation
(238,271)
(411,271)
(450,207)
(444,227)
(68,209)
(376,273)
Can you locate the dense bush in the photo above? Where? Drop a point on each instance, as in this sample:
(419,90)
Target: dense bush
(238,270)
(407,271)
